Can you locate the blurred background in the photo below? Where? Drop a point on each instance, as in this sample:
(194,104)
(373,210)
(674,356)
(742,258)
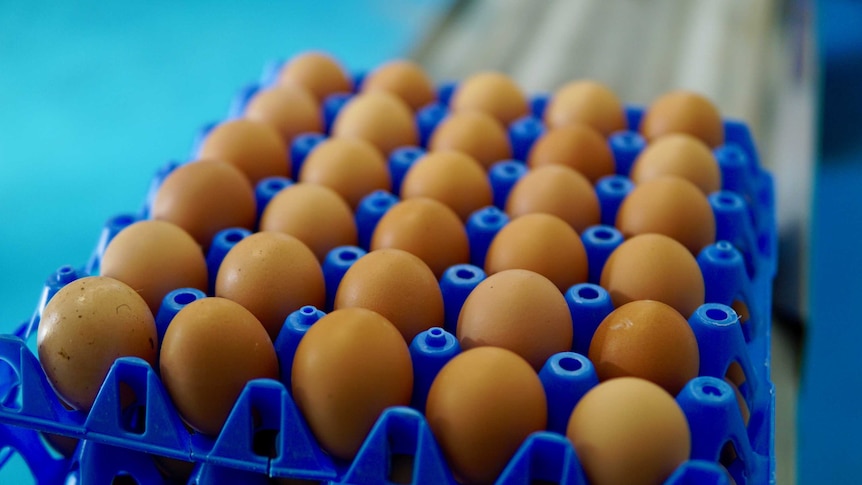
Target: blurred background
(94,96)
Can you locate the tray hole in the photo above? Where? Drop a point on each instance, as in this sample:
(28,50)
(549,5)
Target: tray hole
(400,468)
(265,443)
(587,293)
(134,414)
(729,459)
(58,446)
(11,389)
(570,364)
(716,314)
(233,237)
(124,479)
(536,481)
(184,298)
(465,274)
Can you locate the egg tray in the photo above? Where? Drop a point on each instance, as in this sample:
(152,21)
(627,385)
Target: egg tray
(265,435)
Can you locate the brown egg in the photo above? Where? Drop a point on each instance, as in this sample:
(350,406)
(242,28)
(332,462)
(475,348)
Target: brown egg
(557,190)
(577,146)
(378,117)
(586,102)
(453,178)
(654,267)
(646,339)
(314,214)
(350,366)
(744,411)
(317,72)
(426,228)
(186,199)
(352,167)
(272,275)
(155,258)
(629,430)
(255,148)
(493,93)
(404,79)
(212,348)
(671,206)
(542,243)
(683,112)
(517,310)
(85,327)
(397,285)
(680,155)
(481,406)
(475,133)
(290,109)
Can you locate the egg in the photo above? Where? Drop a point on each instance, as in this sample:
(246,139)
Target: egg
(185,198)
(352,167)
(292,110)
(257,149)
(314,214)
(378,117)
(317,72)
(557,190)
(404,79)
(517,310)
(493,93)
(680,155)
(671,206)
(542,243)
(646,339)
(212,348)
(85,327)
(349,367)
(475,133)
(426,228)
(654,267)
(482,405)
(397,285)
(683,112)
(453,178)
(271,274)
(629,430)
(587,102)
(155,258)
(576,146)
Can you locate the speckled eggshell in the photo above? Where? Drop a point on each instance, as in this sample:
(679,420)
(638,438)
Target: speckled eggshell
(186,199)
(85,327)
(493,93)
(453,178)
(576,146)
(317,72)
(587,102)
(290,109)
(350,366)
(481,406)
(654,267)
(405,79)
(380,118)
(155,258)
(257,149)
(557,190)
(475,133)
(683,112)
(352,167)
(680,155)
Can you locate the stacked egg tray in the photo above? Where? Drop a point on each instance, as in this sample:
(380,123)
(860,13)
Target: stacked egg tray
(740,265)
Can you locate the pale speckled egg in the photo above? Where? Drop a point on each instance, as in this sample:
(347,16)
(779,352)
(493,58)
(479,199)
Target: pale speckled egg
(475,133)
(352,167)
(683,112)
(680,155)
(576,146)
(292,110)
(378,117)
(257,149)
(453,178)
(317,72)
(587,102)
(405,79)
(491,92)
(557,190)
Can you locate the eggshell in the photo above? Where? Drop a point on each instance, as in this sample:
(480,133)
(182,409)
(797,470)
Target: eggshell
(654,267)
(185,198)
(212,348)
(453,178)
(272,275)
(680,155)
(290,109)
(646,339)
(629,430)
(517,310)
(397,285)
(257,149)
(350,366)
(155,258)
(542,243)
(493,93)
(587,102)
(557,190)
(577,146)
(85,327)
(317,72)
(671,206)
(404,79)
(426,228)
(314,214)
(475,133)
(683,112)
(481,406)
(378,117)
(352,167)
